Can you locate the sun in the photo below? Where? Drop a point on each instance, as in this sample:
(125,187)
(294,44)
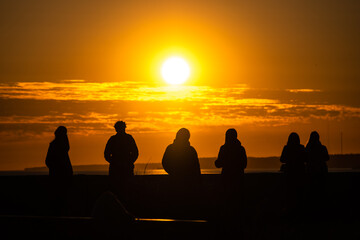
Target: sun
(175,70)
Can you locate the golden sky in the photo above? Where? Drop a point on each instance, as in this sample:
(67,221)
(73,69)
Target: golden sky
(265,68)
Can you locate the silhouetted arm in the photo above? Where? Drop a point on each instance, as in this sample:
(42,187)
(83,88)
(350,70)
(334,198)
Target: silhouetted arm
(283,155)
(219,162)
(49,157)
(165,161)
(196,162)
(244,157)
(107,151)
(326,154)
(134,150)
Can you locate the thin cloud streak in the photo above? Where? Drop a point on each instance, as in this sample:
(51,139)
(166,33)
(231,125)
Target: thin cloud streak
(194,106)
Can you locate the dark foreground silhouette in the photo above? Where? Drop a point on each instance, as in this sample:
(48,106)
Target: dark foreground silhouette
(121,152)
(57,158)
(112,220)
(25,197)
(294,157)
(181,162)
(253,201)
(180,159)
(233,160)
(317,173)
(60,171)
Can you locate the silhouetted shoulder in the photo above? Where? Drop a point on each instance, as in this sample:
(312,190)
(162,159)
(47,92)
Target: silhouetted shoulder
(192,149)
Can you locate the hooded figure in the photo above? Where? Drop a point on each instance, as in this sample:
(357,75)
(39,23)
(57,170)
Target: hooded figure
(180,160)
(317,155)
(293,155)
(57,158)
(232,156)
(233,160)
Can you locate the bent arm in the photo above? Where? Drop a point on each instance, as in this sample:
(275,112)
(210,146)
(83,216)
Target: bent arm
(134,150)
(49,157)
(107,151)
(197,163)
(165,161)
(219,162)
(283,155)
(326,154)
(244,157)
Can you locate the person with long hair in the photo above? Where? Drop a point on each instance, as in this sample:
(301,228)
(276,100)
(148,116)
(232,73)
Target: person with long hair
(317,172)
(60,171)
(317,155)
(294,157)
(233,160)
(57,158)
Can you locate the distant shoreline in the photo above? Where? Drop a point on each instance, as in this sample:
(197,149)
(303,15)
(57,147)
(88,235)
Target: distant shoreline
(337,162)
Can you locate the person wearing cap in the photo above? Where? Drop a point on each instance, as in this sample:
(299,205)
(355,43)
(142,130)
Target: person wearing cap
(121,152)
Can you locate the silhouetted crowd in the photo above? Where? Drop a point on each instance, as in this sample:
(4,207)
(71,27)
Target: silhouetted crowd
(181,162)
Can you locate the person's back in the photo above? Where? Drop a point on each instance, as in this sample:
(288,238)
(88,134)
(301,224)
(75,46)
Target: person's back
(232,156)
(180,160)
(233,160)
(317,155)
(294,155)
(60,172)
(121,152)
(57,158)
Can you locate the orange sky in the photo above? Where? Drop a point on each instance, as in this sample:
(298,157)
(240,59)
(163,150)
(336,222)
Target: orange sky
(265,68)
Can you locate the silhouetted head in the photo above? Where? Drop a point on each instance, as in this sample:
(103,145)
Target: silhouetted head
(120,126)
(293,139)
(183,135)
(314,138)
(231,135)
(60,131)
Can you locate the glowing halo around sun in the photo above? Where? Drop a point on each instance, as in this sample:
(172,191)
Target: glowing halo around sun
(175,70)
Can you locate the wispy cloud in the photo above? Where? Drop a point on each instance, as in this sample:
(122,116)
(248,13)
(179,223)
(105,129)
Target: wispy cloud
(89,107)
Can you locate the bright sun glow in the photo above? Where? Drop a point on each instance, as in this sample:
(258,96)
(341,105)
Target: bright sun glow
(175,70)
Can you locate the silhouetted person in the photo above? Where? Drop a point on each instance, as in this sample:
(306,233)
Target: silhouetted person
(294,157)
(121,152)
(317,155)
(180,160)
(60,170)
(317,170)
(233,160)
(57,158)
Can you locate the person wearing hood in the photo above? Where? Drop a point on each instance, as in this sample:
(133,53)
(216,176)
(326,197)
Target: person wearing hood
(181,162)
(317,170)
(180,159)
(233,160)
(232,156)
(60,172)
(57,158)
(317,155)
(294,158)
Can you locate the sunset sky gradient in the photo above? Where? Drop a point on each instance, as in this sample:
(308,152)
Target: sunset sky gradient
(265,68)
